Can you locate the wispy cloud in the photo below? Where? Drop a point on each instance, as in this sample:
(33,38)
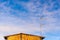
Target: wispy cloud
(24,16)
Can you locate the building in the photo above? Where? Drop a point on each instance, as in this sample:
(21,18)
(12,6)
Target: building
(23,36)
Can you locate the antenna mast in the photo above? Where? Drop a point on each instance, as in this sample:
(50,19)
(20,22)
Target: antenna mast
(41,22)
(41,25)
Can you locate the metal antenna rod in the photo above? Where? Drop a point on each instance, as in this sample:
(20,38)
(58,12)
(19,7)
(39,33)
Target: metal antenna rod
(41,22)
(41,19)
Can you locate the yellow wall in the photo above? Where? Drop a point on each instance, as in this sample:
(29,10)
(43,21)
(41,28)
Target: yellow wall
(27,37)
(14,37)
(23,37)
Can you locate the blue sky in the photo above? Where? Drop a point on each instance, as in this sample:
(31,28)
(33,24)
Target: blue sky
(30,16)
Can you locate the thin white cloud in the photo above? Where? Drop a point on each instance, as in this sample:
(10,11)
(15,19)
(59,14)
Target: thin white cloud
(11,24)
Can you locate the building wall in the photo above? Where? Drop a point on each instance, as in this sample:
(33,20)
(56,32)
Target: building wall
(14,37)
(23,37)
(28,37)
